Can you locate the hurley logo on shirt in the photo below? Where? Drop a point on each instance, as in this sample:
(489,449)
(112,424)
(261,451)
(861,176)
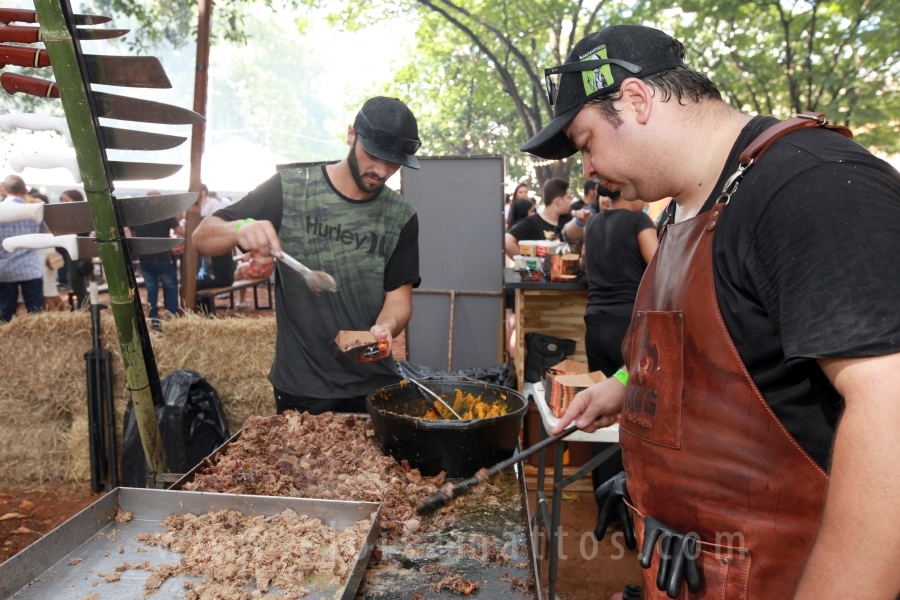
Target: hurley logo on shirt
(369,242)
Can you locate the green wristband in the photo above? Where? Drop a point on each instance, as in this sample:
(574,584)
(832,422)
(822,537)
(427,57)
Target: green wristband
(622,376)
(242,222)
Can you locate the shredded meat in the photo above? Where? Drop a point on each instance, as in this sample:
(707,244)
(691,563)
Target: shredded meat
(455,583)
(123,516)
(231,550)
(322,456)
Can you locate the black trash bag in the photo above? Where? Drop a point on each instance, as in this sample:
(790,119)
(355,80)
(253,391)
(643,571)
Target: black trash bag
(191,423)
(543,352)
(498,374)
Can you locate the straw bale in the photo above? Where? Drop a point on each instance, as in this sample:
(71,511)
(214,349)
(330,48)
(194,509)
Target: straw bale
(43,390)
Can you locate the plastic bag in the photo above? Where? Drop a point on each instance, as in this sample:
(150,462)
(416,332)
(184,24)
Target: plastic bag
(498,374)
(191,423)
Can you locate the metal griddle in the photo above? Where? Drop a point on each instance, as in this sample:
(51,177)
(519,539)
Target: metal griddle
(402,574)
(44,569)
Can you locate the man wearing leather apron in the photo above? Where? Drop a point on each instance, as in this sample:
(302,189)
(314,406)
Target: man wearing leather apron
(760,411)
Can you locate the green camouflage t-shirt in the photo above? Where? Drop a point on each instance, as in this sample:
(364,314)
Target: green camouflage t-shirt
(368,247)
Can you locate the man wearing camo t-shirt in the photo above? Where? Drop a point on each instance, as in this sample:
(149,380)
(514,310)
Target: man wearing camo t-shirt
(340,218)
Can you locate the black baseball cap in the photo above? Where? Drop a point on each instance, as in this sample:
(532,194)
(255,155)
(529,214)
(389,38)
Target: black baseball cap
(640,51)
(388,130)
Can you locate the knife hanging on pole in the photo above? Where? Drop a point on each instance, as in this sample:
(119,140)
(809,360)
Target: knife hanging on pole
(120,170)
(109,106)
(75,217)
(31,35)
(126,71)
(114,138)
(22,15)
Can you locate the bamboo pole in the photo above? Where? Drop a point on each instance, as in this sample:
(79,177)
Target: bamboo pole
(97,186)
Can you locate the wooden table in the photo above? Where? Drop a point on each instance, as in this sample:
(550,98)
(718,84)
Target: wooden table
(549,308)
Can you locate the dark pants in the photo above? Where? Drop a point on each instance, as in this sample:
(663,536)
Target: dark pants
(32,294)
(160,273)
(77,271)
(603,342)
(317,406)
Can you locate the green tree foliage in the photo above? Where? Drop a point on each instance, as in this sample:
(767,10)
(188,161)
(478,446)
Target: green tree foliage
(782,57)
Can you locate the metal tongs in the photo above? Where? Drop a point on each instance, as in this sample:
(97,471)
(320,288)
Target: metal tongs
(451,491)
(318,281)
(428,397)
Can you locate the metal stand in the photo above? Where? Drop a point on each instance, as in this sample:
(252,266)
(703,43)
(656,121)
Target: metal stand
(548,517)
(101,408)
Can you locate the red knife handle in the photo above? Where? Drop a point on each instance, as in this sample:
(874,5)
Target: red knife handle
(20,35)
(24,57)
(18,15)
(13,82)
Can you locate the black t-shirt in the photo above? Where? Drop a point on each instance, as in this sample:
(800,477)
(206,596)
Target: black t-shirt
(805,268)
(267,201)
(160,229)
(536,228)
(612,258)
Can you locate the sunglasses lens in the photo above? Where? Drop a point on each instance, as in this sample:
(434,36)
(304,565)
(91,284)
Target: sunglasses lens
(552,82)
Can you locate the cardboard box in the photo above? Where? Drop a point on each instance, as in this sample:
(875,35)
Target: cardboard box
(361,346)
(564,381)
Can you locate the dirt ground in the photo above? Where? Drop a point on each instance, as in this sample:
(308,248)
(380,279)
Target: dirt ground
(581,577)
(28,513)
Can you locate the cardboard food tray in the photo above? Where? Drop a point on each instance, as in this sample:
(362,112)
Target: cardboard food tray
(361,346)
(44,569)
(564,380)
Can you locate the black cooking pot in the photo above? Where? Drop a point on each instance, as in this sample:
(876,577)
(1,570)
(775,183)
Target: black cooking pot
(460,448)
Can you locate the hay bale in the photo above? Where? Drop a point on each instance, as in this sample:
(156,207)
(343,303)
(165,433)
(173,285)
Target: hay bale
(43,392)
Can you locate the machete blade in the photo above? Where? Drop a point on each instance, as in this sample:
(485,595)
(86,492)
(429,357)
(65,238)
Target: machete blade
(101,34)
(150,209)
(132,171)
(115,138)
(125,108)
(127,71)
(75,217)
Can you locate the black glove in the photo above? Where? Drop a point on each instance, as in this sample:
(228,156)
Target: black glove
(677,557)
(611,494)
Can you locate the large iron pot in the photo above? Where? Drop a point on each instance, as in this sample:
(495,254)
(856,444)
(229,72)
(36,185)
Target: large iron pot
(460,448)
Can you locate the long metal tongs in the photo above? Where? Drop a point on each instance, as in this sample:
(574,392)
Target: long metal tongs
(429,395)
(451,491)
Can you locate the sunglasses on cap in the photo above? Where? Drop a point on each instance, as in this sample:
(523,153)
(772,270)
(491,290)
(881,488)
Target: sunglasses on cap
(553,74)
(388,140)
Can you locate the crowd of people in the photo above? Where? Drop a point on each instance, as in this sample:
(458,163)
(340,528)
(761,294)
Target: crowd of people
(37,280)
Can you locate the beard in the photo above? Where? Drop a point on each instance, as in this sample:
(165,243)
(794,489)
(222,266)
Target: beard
(602,191)
(367,188)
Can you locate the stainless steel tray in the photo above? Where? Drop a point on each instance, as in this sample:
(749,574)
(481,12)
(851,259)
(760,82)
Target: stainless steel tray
(44,569)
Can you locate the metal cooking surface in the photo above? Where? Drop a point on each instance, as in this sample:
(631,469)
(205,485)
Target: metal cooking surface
(96,543)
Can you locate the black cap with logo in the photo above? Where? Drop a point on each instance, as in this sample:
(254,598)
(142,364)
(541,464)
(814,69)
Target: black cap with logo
(388,130)
(615,53)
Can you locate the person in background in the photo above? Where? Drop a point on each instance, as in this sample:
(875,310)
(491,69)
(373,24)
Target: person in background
(159,269)
(207,203)
(546,225)
(77,270)
(520,193)
(521,210)
(49,257)
(20,270)
(588,198)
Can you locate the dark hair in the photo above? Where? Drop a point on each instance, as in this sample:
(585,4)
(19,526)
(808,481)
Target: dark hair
(40,196)
(519,211)
(554,188)
(203,188)
(74,195)
(680,83)
(589,186)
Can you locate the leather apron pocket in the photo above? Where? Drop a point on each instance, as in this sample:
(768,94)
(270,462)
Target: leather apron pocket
(724,569)
(652,410)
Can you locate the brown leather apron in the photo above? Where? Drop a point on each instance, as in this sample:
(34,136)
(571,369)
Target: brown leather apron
(703,451)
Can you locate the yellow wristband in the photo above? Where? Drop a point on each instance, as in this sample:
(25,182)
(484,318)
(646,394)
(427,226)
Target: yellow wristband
(622,376)
(242,222)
